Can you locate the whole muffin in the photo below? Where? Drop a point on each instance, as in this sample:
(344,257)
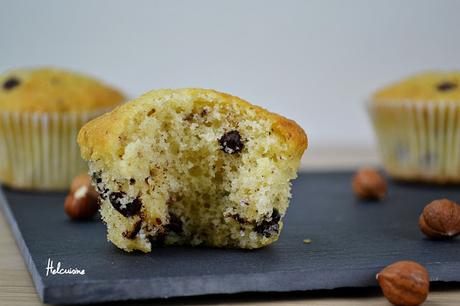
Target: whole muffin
(417,122)
(41,112)
(192,166)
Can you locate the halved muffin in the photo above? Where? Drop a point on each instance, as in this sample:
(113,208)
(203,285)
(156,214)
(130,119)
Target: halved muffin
(192,166)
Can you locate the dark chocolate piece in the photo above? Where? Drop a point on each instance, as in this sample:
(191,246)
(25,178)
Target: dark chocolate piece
(446,86)
(128,209)
(175,224)
(133,233)
(11,83)
(268,227)
(231,142)
(239,219)
(100,186)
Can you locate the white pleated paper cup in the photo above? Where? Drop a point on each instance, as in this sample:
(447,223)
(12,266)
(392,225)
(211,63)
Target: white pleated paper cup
(39,151)
(419,140)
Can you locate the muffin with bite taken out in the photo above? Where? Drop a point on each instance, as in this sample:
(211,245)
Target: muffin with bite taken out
(192,166)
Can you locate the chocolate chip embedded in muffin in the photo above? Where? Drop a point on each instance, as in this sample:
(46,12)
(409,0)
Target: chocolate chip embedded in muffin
(151,112)
(231,142)
(446,86)
(99,185)
(11,83)
(96,177)
(118,201)
(175,224)
(269,227)
(133,233)
(204,112)
(238,218)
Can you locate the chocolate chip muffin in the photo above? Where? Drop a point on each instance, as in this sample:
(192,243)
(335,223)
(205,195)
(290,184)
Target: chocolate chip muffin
(417,124)
(192,166)
(41,112)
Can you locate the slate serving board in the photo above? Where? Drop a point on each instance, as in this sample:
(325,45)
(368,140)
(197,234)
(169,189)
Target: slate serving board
(351,241)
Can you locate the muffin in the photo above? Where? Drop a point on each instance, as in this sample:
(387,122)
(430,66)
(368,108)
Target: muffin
(417,122)
(192,166)
(41,112)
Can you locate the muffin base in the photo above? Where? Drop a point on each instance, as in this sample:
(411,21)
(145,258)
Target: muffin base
(39,151)
(419,141)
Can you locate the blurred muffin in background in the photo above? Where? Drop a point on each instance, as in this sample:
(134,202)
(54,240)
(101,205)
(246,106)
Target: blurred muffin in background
(417,122)
(41,112)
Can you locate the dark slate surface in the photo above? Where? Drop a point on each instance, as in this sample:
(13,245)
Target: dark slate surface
(351,241)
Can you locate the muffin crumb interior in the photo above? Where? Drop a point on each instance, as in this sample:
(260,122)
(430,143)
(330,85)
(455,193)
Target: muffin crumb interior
(191,171)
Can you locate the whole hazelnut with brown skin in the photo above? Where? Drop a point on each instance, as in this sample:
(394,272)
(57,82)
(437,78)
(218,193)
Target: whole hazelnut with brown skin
(440,219)
(405,283)
(82,180)
(81,204)
(368,184)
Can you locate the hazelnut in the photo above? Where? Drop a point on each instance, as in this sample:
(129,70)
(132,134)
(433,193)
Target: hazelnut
(404,283)
(81,204)
(83,180)
(368,184)
(440,219)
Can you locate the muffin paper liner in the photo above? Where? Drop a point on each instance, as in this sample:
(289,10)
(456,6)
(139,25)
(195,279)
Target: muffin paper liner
(419,140)
(39,151)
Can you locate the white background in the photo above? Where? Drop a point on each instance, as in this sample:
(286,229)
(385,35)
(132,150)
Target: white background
(313,61)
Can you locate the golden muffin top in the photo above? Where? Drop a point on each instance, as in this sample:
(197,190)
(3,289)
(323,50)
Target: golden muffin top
(101,137)
(428,86)
(47,90)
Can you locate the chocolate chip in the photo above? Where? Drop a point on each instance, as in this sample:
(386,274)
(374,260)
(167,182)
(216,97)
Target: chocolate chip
(151,112)
(128,209)
(175,224)
(133,233)
(266,227)
(231,142)
(446,86)
(239,219)
(11,83)
(96,177)
(103,194)
(204,112)
(100,187)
